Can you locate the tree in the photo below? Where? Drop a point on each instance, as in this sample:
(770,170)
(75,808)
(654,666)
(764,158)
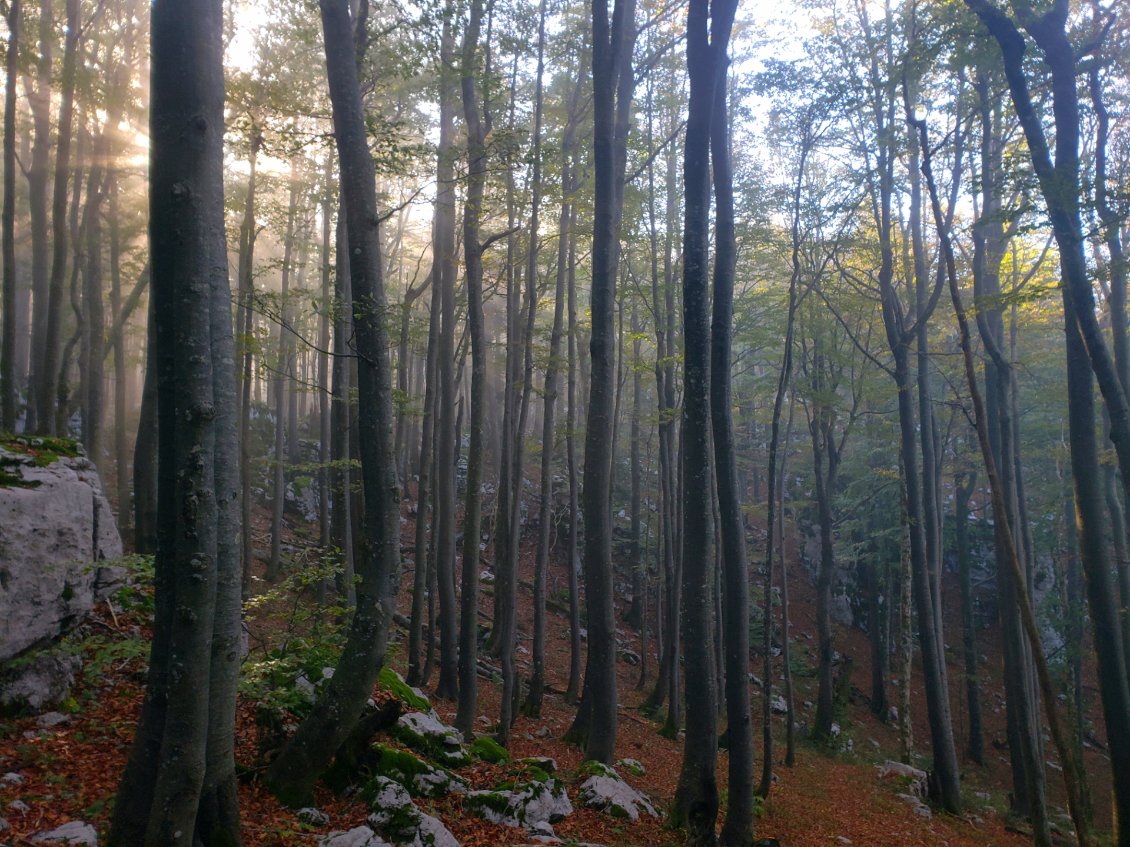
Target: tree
(179,784)
(337,711)
(613,83)
(8,331)
(1086,348)
(696,799)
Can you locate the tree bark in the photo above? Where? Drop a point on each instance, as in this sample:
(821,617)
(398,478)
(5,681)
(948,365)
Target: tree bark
(334,715)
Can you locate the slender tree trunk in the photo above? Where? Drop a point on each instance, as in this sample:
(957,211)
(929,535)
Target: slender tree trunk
(336,712)
(8,388)
(49,378)
(613,82)
(964,490)
(737,831)
(447,444)
(473,250)
(38,175)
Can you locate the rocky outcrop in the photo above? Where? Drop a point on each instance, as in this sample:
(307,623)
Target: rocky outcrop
(606,791)
(56,528)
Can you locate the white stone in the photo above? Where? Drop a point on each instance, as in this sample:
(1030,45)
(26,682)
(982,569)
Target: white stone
(53,533)
(616,797)
(73,832)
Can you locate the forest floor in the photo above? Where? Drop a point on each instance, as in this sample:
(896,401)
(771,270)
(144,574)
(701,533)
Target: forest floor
(70,771)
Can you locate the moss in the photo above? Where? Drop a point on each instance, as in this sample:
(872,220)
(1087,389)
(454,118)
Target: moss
(618,811)
(594,768)
(42,448)
(390,681)
(489,750)
(497,801)
(404,767)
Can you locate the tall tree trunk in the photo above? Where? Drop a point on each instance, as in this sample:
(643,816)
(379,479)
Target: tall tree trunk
(179,783)
(613,82)
(38,175)
(473,271)
(447,445)
(145,450)
(573,688)
(337,710)
(963,491)
(244,350)
(737,831)
(49,378)
(283,386)
(8,386)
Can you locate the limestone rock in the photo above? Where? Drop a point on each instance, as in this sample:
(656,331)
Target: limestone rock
(421,778)
(55,528)
(312,816)
(73,832)
(526,805)
(396,817)
(606,791)
(425,733)
(39,680)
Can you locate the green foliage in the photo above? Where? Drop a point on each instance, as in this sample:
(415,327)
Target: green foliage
(311,640)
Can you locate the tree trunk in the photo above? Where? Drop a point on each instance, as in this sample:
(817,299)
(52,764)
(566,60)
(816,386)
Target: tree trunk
(613,81)
(8,388)
(179,783)
(334,715)
(737,831)
(473,252)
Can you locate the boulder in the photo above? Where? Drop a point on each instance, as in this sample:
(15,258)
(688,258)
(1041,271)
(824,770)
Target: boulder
(396,817)
(39,680)
(56,528)
(425,733)
(73,832)
(526,805)
(606,791)
(421,778)
(914,777)
(312,816)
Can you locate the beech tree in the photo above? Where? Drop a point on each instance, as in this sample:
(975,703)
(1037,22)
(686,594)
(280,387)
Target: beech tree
(179,786)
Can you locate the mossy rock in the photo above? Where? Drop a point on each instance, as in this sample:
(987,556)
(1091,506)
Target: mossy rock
(633,766)
(486,748)
(591,767)
(421,778)
(425,734)
(394,813)
(392,682)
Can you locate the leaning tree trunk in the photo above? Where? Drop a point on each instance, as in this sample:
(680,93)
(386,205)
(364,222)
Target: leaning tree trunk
(336,712)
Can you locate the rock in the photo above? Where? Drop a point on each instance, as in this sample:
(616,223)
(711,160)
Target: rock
(633,766)
(606,791)
(430,832)
(778,705)
(312,816)
(359,836)
(50,720)
(4,825)
(395,816)
(920,808)
(38,681)
(420,778)
(12,778)
(542,763)
(306,688)
(525,805)
(391,804)
(19,807)
(843,839)
(916,777)
(54,524)
(73,832)
(542,732)
(425,733)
